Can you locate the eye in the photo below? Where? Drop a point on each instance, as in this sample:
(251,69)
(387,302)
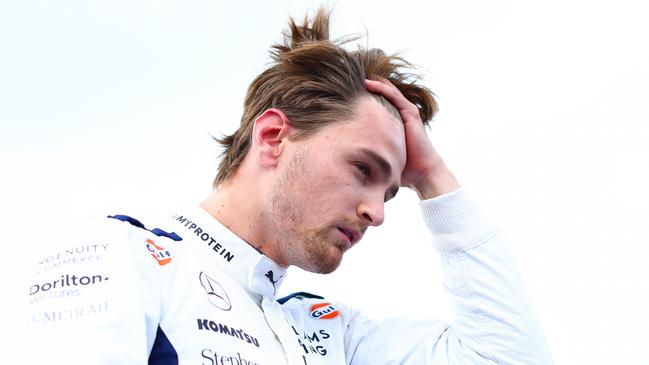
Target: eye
(363,168)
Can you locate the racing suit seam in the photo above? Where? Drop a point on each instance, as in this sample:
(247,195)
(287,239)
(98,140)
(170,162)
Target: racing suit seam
(463,267)
(486,240)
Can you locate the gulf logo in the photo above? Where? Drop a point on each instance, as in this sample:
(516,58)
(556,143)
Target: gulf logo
(161,254)
(323,311)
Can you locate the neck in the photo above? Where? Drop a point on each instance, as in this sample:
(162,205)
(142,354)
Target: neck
(240,209)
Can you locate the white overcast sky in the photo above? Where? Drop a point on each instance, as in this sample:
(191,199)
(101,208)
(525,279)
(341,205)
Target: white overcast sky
(108,106)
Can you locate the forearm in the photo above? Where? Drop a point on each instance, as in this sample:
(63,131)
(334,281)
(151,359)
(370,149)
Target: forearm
(494,317)
(439,180)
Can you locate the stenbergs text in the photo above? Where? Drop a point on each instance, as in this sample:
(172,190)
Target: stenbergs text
(219,359)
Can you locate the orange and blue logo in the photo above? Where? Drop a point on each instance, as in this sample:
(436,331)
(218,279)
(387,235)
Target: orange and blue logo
(323,311)
(161,254)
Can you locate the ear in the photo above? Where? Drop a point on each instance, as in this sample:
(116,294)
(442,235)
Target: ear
(269,130)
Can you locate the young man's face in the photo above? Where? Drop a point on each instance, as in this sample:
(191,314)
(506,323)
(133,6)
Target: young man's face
(332,185)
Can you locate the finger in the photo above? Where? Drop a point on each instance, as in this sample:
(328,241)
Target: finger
(386,89)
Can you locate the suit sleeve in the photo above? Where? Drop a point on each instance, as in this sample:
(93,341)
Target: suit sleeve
(88,302)
(494,320)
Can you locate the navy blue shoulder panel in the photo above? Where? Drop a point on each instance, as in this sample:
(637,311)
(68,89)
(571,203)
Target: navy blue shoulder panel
(160,233)
(125,218)
(156,231)
(163,352)
(300,294)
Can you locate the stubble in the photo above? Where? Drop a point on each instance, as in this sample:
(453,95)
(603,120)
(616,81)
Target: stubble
(298,237)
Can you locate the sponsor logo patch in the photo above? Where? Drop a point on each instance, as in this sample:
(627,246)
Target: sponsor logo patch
(215,292)
(66,286)
(208,325)
(205,236)
(219,358)
(66,281)
(66,314)
(323,311)
(311,341)
(79,254)
(160,254)
(270,276)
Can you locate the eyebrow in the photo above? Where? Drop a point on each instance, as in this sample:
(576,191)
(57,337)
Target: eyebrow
(384,165)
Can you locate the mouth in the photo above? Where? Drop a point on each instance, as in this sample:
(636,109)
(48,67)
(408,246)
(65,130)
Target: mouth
(352,235)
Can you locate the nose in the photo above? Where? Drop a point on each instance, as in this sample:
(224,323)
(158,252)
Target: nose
(372,212)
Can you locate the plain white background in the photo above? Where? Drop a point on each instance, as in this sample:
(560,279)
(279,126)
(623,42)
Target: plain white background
(109,107)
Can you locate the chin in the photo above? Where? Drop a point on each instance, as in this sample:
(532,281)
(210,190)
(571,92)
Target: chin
(323,264)
(327,269)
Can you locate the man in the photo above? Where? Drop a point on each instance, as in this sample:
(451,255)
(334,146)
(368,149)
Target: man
(327,137)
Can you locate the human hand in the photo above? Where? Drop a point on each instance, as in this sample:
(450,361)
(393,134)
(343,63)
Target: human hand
(425,171)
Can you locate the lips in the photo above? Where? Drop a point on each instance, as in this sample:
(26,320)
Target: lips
(352,235)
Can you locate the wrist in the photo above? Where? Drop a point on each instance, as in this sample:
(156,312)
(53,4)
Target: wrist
(436,182)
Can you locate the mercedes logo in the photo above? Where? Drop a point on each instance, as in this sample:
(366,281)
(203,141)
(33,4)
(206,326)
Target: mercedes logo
(215,293)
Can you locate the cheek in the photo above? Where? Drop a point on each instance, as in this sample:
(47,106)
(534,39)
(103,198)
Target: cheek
(328,184)
(337,191)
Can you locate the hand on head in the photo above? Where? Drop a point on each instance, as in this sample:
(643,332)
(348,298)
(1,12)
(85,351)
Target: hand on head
(425,171)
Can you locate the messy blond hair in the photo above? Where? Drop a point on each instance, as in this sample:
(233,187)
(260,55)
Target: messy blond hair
(314,81)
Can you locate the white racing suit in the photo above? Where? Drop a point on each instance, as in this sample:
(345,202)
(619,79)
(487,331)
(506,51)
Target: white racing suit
(117,291)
